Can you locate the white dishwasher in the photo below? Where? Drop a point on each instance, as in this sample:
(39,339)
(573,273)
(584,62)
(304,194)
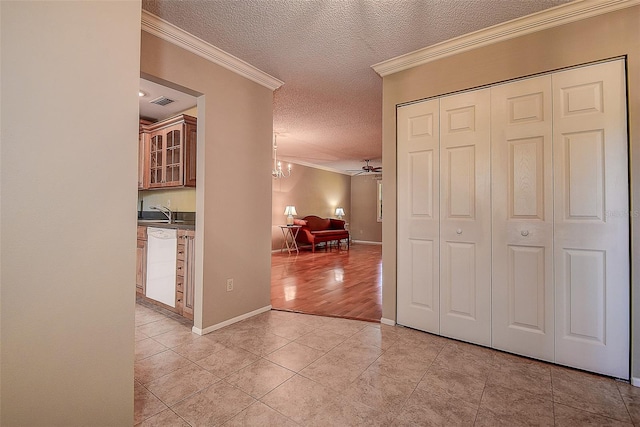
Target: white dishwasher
(161,265)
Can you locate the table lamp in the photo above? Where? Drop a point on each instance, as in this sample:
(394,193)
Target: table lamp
(290,211)
(339,213)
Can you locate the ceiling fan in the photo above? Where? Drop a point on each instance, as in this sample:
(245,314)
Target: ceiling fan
(367,168)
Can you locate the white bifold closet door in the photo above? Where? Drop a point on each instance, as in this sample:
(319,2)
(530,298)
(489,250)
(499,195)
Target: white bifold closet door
(418,216)
(465,216)
(444,224)
(591,210)
(522,187)
(513,217)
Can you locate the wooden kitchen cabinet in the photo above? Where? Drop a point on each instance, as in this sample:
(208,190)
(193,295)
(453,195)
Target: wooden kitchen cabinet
(141,261)
(185,271)
(170,153)
(143,147)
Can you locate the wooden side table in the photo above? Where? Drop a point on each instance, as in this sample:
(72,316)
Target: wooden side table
(289,234)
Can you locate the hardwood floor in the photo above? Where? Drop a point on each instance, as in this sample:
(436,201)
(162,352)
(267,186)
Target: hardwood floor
(337,282)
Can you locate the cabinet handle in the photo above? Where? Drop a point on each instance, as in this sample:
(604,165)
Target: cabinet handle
(524,233)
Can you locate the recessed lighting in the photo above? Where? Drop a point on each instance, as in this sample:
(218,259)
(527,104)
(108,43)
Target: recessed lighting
(141,93)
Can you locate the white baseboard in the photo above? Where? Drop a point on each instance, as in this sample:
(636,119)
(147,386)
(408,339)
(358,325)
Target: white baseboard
(230,321)
(388,322)
(635,381)
(366,242)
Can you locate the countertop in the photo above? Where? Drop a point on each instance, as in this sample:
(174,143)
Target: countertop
(179,225)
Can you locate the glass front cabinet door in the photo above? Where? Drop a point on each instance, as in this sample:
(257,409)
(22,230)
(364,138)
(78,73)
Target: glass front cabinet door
(171,152)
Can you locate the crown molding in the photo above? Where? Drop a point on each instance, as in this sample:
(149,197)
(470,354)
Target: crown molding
(158,27)
(311,165)
(553,17)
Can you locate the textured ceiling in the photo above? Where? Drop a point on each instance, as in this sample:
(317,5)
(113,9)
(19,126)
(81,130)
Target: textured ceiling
(329,111)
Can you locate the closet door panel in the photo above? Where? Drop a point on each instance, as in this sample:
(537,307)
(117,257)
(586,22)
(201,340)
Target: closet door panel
(418,216)
(460,296)
(522,197)
(465,217)
(591,240)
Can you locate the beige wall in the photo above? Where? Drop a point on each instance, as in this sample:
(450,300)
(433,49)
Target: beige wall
(233,190)
(313,192)
(605,36)
(70,72)
(364,223)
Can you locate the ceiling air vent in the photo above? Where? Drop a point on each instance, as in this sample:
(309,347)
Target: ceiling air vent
(163,100)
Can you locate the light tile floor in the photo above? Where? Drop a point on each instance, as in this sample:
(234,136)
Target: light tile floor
(288,369)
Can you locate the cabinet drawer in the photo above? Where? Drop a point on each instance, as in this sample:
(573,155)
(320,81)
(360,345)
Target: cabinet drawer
(180,253)
(179,301)
(179,283)
(180,268)
(185,234)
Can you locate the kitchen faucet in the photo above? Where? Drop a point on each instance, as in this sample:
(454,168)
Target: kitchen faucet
(165,210)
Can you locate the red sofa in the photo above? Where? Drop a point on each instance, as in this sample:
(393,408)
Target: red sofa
(317,230)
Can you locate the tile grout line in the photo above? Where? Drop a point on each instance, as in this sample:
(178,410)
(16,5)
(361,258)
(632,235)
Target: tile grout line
(475,420)
(280,385)
(401,409)
(625,403)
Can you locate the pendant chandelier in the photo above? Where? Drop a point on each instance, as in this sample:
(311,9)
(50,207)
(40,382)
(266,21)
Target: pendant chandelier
(277,171)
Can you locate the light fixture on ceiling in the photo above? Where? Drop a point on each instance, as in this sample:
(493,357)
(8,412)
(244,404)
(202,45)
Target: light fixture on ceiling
(141,94)
(277,171)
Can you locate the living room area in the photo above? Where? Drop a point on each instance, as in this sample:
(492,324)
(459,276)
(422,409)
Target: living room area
(339,278)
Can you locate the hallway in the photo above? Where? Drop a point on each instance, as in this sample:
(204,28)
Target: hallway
(337,282)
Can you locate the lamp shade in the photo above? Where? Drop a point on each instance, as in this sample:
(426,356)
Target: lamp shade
(339,212)
(290,211)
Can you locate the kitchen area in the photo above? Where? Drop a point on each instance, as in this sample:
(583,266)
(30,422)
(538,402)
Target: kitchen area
(165,254)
